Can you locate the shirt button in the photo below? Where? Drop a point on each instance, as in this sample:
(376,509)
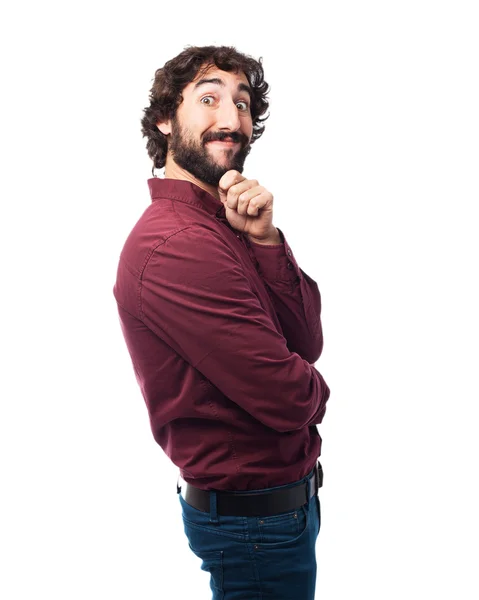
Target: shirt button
(290,266)
(289,252)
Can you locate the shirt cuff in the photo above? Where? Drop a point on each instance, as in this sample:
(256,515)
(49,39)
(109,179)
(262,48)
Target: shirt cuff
(276,261)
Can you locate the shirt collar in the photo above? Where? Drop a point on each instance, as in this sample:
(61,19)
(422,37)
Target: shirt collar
(185,191)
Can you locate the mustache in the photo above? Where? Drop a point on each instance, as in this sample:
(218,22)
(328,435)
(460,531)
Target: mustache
(221,136)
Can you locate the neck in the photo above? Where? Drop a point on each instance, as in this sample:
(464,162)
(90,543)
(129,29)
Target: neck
(174,171)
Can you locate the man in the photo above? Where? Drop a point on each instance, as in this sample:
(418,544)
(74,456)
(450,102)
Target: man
(223,328)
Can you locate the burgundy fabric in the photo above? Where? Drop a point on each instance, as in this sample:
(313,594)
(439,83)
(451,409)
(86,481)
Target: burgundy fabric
(223,334)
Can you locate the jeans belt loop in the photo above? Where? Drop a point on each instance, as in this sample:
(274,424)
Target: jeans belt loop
(319,478)
(309,486)
(213,507)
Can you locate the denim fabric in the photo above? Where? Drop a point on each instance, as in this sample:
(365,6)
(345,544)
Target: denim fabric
(257,558)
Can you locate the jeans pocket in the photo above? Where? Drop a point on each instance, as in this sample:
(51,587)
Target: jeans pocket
(283,528)
(212,563)
(197,523)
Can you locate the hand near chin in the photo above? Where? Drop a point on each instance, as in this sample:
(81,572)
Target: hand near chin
(248,205)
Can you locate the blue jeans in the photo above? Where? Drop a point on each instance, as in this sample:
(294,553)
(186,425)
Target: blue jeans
(257,558)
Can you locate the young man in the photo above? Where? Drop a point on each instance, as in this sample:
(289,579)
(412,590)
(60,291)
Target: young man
(223,328)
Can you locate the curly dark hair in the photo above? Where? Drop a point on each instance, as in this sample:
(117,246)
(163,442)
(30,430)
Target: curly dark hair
(169,82)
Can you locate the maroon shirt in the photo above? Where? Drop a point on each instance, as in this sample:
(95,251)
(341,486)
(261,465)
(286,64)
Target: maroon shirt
(222,333)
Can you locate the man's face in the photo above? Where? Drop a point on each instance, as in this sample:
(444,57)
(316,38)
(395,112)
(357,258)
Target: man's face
(212,129)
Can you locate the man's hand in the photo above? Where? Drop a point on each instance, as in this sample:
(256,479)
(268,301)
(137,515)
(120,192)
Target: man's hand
(248,205)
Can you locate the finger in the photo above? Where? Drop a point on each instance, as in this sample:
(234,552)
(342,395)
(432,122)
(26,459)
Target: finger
(229,178)
(237,190)
(245,197)
(257,203)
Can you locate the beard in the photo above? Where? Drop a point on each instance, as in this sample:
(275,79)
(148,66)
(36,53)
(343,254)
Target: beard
(194,156)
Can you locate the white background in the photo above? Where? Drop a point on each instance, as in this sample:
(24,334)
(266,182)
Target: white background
(371,152)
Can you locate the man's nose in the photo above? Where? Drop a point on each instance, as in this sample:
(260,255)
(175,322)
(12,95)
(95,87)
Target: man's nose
(228,117)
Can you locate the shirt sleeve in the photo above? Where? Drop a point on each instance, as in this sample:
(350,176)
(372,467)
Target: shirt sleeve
(295,296)
(195,295)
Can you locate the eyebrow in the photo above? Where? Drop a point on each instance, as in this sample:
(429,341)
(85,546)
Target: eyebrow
(242,87)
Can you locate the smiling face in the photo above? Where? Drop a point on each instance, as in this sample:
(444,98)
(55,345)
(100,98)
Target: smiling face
(212,129)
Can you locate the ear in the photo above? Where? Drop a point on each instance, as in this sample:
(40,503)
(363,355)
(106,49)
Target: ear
(164,126)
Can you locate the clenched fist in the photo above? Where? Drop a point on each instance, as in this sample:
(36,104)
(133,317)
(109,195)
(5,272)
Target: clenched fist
(248,205)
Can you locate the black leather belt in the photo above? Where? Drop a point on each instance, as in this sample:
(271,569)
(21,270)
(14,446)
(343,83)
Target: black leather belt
(256,504)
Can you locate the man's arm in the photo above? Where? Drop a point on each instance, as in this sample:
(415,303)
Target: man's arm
(295,295)
(196,296)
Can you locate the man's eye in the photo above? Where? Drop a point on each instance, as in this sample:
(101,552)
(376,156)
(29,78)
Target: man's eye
(207,98)
(242,105)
